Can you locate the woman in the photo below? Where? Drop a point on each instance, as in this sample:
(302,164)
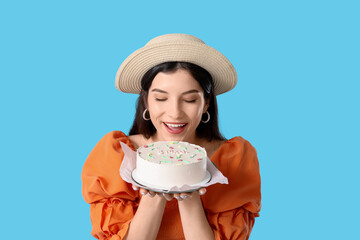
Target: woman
(178,77)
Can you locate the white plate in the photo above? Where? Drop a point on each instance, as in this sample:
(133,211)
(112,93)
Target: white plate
(155,188)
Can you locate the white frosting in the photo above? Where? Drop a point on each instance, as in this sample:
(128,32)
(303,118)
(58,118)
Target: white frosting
(169,164)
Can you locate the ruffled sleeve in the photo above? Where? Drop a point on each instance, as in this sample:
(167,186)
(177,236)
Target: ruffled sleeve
(113,202)
(231,209)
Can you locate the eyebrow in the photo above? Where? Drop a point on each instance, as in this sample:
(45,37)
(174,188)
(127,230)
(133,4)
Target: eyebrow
(187,92)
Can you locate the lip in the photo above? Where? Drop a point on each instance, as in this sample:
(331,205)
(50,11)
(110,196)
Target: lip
(174,130)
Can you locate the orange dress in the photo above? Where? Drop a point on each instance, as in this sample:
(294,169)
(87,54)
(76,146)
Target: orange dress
(230,208)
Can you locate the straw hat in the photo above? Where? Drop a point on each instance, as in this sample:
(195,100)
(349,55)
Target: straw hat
(179,48)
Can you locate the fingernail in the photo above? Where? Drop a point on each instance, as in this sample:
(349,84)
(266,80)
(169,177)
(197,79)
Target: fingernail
(177,198)
(150,195)
(202,192)
(142,193)
(163,194)
(183,196)
(135,188)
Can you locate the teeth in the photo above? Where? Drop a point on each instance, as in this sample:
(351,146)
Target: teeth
(175,125)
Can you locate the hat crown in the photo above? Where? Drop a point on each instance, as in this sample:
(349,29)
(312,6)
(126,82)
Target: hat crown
(175,47)
(174,37)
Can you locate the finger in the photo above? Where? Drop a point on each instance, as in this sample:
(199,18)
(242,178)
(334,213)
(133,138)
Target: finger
(151,193)
(135,187)
(185,196)
(143,191)
(202,191)
(168,196)
(177,196)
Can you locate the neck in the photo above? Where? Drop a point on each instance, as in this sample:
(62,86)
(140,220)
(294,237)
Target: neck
(194,139)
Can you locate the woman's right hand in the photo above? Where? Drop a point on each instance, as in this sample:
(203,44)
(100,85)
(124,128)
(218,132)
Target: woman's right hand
(151,194)
(144,191)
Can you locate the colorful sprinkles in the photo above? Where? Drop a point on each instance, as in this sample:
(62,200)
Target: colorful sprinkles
(197,149)
(183,147)
(165,161)
(175,152)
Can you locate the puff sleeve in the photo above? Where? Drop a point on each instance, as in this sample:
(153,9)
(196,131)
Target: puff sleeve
(231,209)
(113,202)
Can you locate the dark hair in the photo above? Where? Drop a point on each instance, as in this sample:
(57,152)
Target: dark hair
(209,130)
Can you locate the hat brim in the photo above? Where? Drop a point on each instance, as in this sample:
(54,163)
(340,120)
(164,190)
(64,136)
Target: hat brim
(131,71)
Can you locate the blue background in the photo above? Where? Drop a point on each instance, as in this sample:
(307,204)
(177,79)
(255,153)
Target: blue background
(297,101)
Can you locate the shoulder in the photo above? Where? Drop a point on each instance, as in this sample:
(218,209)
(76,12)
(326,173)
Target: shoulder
(237,160)
(100,174)
(238,140)
(240,143)
(234,153)
(112,139)
(237,144)
(115,135)
(107,153)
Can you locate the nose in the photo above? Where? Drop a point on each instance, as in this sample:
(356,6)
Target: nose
(174,110)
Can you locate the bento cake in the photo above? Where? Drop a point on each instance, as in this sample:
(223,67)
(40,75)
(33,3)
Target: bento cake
(170,163)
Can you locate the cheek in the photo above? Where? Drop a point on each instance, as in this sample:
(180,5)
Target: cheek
(154,108)
(196,113)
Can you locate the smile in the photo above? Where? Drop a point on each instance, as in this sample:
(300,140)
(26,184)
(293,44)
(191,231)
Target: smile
(175,128)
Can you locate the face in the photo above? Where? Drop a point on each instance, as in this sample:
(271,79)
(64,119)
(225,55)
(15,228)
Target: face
(176,104)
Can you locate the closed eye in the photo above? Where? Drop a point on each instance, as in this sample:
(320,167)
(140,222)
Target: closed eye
(160,99)
(190,101)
